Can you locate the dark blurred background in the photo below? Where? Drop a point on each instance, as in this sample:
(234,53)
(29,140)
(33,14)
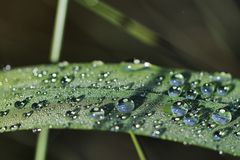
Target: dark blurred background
(194,34)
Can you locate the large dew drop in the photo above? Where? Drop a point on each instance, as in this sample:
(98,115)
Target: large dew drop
(177,79)
(207,89)
(179,109)
(221,116)
(125,105)
(174,91)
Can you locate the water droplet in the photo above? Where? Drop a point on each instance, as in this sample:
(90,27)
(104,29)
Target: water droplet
(21,104)
(190,120)
(237,133)
(191,94)
(174,91)
(27,114)
(4,113)
(222,77)
(97,63)
(179,109)
(221,116)
(219,134)
(15,127)
(125,105)
(40,104)
(158,132)
(98,113)
(67,79)
(223,90)
(207,89)
(177,79)
(72,113)
(138,65)
(36,130)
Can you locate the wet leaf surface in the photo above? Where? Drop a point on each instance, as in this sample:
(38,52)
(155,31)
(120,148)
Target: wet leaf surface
(195,108)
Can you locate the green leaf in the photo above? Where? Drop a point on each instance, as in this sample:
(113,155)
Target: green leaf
(127,97)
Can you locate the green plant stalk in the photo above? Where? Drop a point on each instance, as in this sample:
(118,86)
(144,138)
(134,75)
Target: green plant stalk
(54,57)
(137,146)
(58,30)
(42,144)
(115,17)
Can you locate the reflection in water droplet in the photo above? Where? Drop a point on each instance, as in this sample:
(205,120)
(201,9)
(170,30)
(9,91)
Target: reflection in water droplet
(40,105)
(4,113)
(177,79)
(125,105)
(23,103)
(191,94)
(218,135)
(221,116)
(207,89)
(137,65)
(27,114)
(67,79)
(190,120)
(174,91)
(223,90)
(15,127)
(179,108)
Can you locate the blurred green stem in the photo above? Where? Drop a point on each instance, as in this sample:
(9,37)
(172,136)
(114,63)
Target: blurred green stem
(58,30)
(54,57)
(137,146)
(115,17)
(42,145)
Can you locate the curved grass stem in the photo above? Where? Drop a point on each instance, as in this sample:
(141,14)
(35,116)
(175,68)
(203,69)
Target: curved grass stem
(137,146)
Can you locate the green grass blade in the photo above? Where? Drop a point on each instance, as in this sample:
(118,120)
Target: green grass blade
(137,146)
(58,30)
(92,96)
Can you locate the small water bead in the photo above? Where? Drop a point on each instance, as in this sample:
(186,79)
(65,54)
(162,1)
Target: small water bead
(221,116)
(160,79)
(97,63)
(138,65)
(63,65)
(174,91)
(222,77)
(36,130)
(195,84)
(138,124)
(223,90)
(28,114)
(3,129)
(40,105)
(190,120)
(125,105)
(177,79)
(38,73)
(191,94)
(158,132)
(15,127)
(76,99)
(23,103)
(97,113)
(207,89)
(67,79)
(219,134)
(237,133)
(179,108)
(72,113)
(7,68)
(4,113)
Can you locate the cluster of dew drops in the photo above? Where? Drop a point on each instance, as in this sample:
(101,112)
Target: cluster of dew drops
(187,110)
